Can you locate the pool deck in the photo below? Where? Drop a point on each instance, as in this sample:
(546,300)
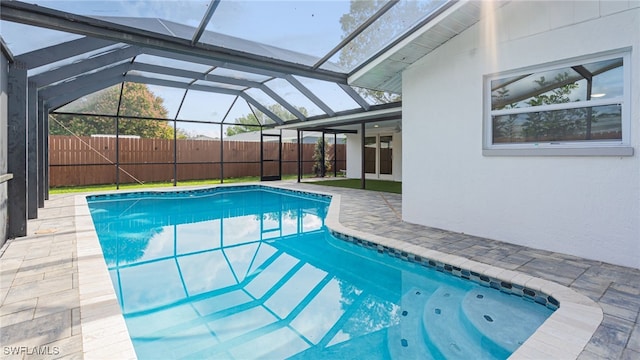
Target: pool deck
(48,276)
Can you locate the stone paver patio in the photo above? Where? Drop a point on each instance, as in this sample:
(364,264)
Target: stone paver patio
(41,297)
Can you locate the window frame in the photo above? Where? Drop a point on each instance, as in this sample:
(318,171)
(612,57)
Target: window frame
(620,147)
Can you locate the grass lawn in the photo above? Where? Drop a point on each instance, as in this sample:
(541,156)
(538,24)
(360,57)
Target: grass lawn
(134,186)
(375,185)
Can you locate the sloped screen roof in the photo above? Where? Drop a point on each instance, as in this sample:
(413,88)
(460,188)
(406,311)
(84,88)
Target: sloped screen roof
(288,60)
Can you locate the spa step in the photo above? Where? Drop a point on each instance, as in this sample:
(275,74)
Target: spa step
(447,337)
(407,339)
(498,320)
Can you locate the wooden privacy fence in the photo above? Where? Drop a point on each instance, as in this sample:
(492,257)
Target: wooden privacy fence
(92,160)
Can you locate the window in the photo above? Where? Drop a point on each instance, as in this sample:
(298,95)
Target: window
(570,108)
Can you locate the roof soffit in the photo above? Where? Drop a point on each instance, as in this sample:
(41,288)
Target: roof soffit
(384,73)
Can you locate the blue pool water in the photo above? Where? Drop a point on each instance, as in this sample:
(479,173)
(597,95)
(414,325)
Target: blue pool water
(251,272)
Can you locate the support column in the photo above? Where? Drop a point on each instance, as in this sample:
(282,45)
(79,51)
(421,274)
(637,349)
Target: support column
(42,153)
(17,150)
(261,155)
(335,155)
(175,152)
(32,151)
(362,148)
(45,117)
(221,153)
(299,163)
(323,170)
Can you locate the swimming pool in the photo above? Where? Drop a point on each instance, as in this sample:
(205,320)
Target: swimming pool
(250,272)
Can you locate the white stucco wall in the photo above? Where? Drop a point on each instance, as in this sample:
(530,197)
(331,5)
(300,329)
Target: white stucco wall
(354,151)
(586,206)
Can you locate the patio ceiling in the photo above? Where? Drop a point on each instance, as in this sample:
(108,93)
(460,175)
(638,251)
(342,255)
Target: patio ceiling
(296,54)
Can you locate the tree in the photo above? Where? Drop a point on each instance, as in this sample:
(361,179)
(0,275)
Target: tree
(374,38)
(558,124)
(250,122)
(182,134)
(371,314)
(137,100)
(317,158)
(247,123)
(504,129)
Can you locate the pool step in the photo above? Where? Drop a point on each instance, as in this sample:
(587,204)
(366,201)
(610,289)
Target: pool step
(502,321)
(407,339)
(445,328)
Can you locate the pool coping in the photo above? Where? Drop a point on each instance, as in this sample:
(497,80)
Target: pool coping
(104,332)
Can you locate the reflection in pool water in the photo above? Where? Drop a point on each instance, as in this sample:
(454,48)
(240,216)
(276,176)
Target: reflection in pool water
(253,273)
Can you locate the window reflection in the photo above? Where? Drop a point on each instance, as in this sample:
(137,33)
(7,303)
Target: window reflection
(598,80)
(591,123)
(573,103)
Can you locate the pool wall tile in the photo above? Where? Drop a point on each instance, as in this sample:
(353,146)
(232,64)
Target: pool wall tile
(533,294)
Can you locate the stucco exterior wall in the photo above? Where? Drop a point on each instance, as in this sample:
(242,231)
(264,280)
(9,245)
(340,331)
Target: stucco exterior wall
(354,153)
(586,206)
(3,146)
